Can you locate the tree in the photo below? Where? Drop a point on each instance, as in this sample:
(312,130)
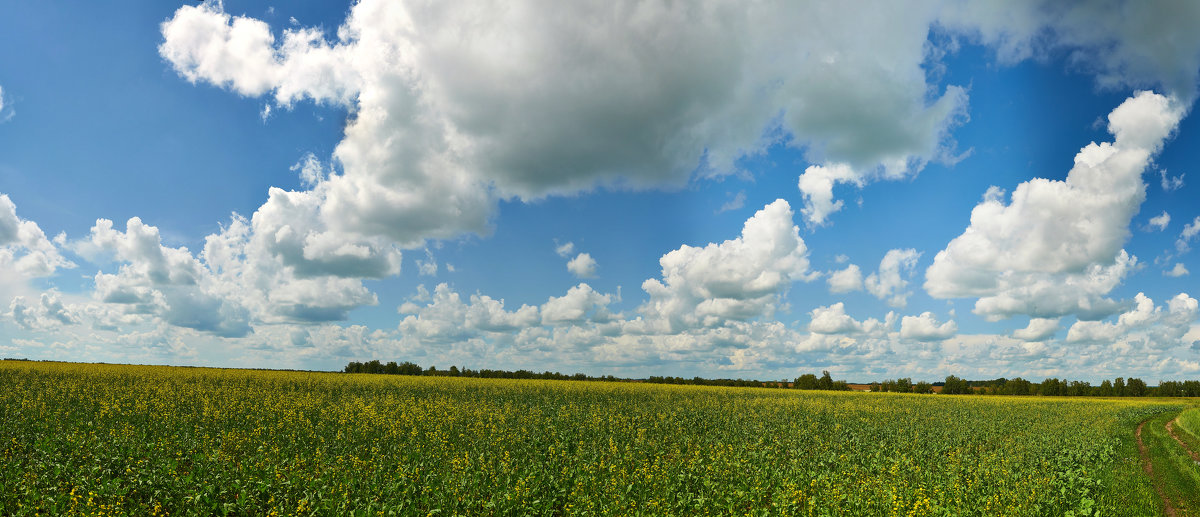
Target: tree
(1135,387)
(826,382)
(1119,387)
(1105,389)
(807,381)
(923,387)
(955,386)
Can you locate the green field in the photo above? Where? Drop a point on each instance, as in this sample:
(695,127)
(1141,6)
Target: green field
(102,439)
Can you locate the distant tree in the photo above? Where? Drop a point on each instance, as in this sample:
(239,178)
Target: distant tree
(923,387)
(807,381)
(1105,389)
(1119,387)
(1135,387)
(826,382)
(955,386)
(454,371)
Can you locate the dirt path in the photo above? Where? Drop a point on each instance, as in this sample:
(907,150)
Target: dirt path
(1171,431)
(1168,509)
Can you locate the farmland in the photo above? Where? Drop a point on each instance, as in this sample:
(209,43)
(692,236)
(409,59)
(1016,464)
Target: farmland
(105,439)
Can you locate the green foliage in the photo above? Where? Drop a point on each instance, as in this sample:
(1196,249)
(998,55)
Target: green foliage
(103,439)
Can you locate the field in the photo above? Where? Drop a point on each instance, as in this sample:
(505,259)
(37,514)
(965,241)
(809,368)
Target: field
(102,439)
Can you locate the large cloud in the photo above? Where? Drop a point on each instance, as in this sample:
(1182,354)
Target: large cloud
(926,328)
(1055,249)
(1145,327)
(1122,43)
(457,105)
(738,279)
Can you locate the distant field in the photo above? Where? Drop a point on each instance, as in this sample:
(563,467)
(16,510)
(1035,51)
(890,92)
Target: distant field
(152,440)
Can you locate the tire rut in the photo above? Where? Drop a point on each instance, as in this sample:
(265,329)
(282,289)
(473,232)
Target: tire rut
(1168,508)
(1171,431)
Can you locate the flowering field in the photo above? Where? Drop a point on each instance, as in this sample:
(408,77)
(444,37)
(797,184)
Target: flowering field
(103,439)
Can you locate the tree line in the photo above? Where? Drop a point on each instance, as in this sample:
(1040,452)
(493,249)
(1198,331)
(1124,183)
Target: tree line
(953,385)
(409,368)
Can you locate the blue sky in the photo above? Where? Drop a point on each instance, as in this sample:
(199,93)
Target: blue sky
(625,188)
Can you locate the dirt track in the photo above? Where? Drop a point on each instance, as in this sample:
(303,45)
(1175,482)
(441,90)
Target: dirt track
(1171,431)
(1168,508)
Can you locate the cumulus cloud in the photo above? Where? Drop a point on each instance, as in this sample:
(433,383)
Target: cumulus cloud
(1039,329)
(845,280)
(833,320)
(158,280)
(926,328)
(582,266)
(891,281)
(1055,249)
(1177,271)
(738,279)
(48,313)
(25,252)
(816,185)
(446,318)
(1144,326)
(461,117)
(580,304)
(1160,222)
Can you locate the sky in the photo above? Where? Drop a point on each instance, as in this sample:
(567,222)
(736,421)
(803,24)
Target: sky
(705,188)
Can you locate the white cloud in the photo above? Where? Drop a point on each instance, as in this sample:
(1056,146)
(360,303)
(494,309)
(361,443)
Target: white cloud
(446,318)
(48,313)
(845,280)
(833,320)
(168,283)
(738,279)
(25,252)
(429,266)
(926,328)
(448,119)
(1177,271)
(582,266)
(1189,232)
(736,203)
(1039,329)
(890,281)
(580,304)
(1055,249)
(1160,222)
(1144,326)
(309,167)
(565,250)
(816,185)
(1170,183)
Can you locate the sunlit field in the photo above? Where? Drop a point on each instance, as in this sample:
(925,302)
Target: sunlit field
(101,439)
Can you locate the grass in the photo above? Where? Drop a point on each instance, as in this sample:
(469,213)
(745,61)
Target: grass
(1174,469)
